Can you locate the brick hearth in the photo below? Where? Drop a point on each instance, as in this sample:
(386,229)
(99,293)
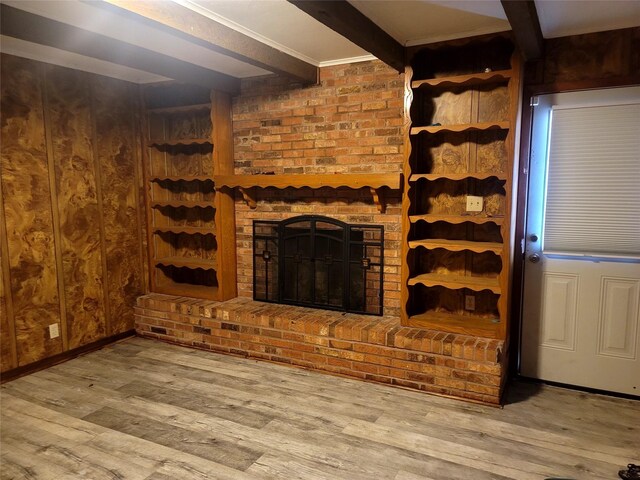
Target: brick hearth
(371,348)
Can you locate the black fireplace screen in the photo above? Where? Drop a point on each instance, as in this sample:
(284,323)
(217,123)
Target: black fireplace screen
(320,262)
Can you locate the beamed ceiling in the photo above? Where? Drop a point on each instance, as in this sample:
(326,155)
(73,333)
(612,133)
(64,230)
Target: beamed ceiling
(217,42)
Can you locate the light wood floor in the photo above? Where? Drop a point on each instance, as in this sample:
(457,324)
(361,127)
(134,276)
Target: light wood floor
(146,410)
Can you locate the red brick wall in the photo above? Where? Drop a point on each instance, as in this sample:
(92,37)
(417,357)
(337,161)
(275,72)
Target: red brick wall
(350,123)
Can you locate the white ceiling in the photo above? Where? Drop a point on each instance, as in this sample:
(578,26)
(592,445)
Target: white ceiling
(285,27)
(575,17)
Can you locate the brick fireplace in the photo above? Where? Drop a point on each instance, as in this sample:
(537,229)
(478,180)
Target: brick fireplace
(352,122)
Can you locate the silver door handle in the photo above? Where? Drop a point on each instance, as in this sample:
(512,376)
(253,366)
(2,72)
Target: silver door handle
(534,258)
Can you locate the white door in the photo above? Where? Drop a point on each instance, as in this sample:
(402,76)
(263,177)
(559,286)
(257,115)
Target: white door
(581,305)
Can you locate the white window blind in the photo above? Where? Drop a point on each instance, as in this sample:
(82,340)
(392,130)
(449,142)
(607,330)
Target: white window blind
(593,181)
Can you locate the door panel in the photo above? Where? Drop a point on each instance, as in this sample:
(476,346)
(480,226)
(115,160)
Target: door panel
(581,311)
(559,311)
(618,318)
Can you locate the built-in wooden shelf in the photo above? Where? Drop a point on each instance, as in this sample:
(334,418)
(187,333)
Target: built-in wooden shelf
(464,127)
(246,183)
(182,203)
(476,284)
(457,176)
(200,107)
(458,245)
(434,217)
(464,80)
(455,323)
(188,262)
(188,290)
(185,230)
(185,142)
(183,178)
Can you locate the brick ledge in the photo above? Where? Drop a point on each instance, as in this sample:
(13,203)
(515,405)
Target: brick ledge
(372,348)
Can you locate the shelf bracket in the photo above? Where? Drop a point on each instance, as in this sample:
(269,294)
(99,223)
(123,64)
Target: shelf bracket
(378,198)
(249,196)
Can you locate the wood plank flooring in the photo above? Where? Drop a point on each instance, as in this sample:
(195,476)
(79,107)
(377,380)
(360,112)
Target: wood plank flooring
(141,409)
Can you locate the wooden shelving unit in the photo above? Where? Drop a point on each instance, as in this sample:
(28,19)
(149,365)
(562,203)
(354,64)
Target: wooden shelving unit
(460,142)
(188,134)
(374,182)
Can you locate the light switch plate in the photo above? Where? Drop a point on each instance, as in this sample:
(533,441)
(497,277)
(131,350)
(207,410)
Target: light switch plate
(469,303)
(474,204)
(54,330)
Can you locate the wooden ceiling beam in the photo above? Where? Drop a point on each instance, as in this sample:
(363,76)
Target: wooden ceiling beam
(196,28)
(33,28)
(348,21)
(523,17)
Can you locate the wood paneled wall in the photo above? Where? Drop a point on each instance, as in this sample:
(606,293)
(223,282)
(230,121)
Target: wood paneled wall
(71,209)
(592,60)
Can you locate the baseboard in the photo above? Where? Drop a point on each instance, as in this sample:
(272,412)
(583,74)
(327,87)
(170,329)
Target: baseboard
(62,357)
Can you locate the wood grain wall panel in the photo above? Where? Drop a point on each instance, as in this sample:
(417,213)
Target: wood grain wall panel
(595,55)
(71,132)
(71,195)
(115,115)
(6,362)
(7,336)
(27,206)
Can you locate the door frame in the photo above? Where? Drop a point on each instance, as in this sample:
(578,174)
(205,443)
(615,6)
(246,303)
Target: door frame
(522,181)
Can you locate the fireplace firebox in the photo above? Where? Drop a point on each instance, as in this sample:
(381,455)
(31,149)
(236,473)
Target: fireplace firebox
(319,262)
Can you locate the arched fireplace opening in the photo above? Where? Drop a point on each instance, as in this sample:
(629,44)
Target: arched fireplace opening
(320,262)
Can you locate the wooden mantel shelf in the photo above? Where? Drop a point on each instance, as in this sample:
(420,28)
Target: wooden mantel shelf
(374,182)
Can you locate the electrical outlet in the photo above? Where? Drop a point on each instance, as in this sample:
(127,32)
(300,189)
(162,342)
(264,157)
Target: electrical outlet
(469,302)
(474,204)
(54,330)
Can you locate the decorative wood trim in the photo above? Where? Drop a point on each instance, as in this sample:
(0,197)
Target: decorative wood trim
(457,282)
(458,245)
(248,183)
(523,18)
(179,142)
(63,357)
(55,213)
(206,32)
(464,80)
(186,230)
(405,266)
(348,21)
(182,203)
(378,199)
(455,219)
(302,180)
(249,196)
(465,127)
(23,25)
(203,263)
(457,176)
(6,278)
(103,246)
(177,178)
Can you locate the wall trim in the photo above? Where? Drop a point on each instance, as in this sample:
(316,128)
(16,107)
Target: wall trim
(63,357)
